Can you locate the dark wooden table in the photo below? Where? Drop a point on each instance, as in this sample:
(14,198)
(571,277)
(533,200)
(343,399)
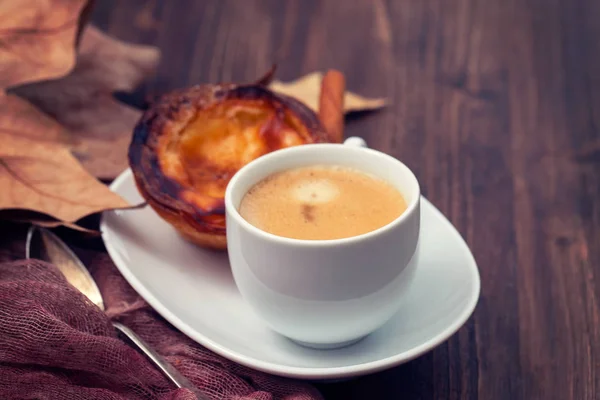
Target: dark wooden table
(495,104)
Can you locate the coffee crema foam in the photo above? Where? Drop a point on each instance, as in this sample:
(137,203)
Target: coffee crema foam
(321,203)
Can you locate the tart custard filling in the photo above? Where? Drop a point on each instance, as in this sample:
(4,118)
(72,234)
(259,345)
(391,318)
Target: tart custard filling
(205,153)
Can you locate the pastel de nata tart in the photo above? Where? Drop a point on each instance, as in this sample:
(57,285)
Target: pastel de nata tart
(189,143)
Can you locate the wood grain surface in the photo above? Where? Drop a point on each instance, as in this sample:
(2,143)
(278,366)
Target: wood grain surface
(495,104)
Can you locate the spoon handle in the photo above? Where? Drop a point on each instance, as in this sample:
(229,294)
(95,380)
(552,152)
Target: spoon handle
(162,364)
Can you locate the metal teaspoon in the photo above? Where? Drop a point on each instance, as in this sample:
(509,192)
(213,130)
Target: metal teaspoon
(45,245)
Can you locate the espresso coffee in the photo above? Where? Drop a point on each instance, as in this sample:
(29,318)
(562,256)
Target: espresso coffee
(321,202)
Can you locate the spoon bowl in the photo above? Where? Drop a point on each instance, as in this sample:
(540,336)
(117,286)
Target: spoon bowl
(44,245)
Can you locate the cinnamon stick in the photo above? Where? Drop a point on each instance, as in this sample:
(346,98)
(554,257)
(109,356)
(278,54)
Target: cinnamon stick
(331,104)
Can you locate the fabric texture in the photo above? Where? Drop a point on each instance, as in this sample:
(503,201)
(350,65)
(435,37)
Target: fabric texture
(56,344)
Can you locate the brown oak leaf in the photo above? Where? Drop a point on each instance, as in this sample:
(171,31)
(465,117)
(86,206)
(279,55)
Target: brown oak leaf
(98,126)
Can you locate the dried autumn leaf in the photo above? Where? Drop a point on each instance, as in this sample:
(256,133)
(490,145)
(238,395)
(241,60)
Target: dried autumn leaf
(37,39)
(46,178)
(21,119)
(98,126)
(308,88)
(41,181)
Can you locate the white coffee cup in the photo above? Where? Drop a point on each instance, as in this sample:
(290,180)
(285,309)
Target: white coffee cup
(324,293)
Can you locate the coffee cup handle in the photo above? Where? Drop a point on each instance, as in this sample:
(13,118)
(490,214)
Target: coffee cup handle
(355,141)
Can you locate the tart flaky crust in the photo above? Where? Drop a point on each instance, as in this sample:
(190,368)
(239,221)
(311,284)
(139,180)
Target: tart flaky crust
(188,145)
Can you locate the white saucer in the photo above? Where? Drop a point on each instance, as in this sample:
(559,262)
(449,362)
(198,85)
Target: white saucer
(194,290)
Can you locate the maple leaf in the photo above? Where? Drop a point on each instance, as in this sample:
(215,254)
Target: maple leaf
(41,181)
(46,178)
(99,126)
(21,119)
(308,87)
(37,38)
